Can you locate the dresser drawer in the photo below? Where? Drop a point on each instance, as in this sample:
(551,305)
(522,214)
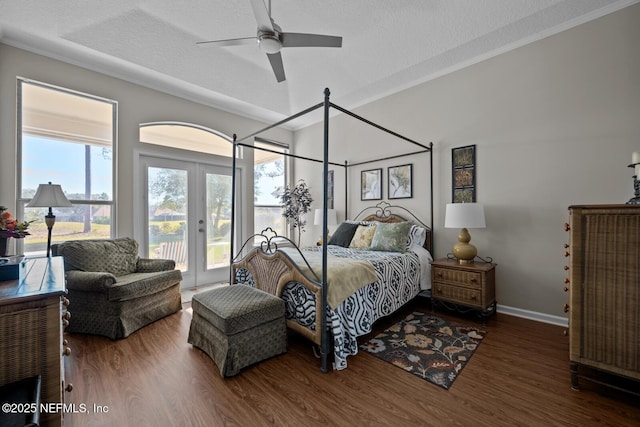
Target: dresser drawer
(457,294)
(470,279)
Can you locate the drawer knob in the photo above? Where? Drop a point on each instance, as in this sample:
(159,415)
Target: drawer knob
(65,342)
(566,280)
(566,308)
(67,351)
(567,227)
(565,333)
(566,245)
(67,315)
(474,280)
(565,289)
(65,301)
(69,387)
(566,267)
(566,253)
(472,298)
(65,323)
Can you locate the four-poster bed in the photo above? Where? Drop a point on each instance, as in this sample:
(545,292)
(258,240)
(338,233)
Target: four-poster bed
(311,280)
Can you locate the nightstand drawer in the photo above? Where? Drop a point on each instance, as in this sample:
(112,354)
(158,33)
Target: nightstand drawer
(457,294)
(458,277)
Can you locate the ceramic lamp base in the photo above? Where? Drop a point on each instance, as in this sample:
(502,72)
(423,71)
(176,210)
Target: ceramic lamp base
(464,252)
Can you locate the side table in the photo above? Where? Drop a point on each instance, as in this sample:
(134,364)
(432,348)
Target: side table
(464,287)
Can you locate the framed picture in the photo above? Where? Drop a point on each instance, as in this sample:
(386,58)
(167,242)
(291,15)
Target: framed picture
(371,184)
(463,174)
(400,185)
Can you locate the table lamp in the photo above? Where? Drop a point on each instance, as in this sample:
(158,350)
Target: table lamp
(49,196)
(464,216)
(332,219)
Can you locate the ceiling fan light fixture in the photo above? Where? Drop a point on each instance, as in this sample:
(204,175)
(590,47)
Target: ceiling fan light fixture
(269,43)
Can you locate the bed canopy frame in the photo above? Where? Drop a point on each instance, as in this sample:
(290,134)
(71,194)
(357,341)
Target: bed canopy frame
(327,105)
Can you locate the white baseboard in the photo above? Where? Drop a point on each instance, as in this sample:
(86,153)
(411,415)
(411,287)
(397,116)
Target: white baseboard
(533,315)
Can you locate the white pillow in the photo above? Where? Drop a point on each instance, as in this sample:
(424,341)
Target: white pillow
(417,236)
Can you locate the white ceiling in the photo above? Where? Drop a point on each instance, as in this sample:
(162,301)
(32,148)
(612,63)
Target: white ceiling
(388,45)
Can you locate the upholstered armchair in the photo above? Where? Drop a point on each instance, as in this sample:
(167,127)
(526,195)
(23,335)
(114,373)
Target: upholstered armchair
(112,291)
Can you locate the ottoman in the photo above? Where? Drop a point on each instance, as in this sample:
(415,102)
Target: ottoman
(237,326)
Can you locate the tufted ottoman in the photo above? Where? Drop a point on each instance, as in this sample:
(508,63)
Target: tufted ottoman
(237,326)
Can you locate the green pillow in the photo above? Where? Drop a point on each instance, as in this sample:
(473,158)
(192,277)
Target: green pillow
(391,237)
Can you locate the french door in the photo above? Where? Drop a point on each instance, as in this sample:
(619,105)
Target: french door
(188,206)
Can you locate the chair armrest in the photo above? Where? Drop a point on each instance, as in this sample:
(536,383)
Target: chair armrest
(89,281)
(146,265)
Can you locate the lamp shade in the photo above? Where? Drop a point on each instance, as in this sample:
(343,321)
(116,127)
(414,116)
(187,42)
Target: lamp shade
(49,196)
(464,215)
(332,218)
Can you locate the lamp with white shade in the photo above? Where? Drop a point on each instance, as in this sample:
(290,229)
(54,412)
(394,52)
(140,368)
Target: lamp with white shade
(464,216)
(332,219)
(49,196)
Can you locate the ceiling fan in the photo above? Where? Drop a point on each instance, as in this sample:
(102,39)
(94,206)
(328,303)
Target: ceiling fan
(271,39)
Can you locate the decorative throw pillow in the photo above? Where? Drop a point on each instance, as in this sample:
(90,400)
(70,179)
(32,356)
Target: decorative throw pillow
(391,237)
(362,237)
(417,236)
(343,235)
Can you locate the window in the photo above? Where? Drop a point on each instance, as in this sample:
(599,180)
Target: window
(186,136)
(269,174)
(66,138)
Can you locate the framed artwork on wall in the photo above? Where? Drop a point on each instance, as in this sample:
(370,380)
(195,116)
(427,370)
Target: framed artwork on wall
(371,184)
(400,182)
(463,174)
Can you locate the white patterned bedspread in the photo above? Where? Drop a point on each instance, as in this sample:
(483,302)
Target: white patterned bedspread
(399,277)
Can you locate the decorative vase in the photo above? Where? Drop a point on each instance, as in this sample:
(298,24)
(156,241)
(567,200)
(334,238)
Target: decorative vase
(4,246)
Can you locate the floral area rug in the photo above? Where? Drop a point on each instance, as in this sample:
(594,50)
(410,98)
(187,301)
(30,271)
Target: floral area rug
(427,346)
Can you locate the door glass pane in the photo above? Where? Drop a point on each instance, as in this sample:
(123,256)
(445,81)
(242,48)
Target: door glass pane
(218,228)
(167,192)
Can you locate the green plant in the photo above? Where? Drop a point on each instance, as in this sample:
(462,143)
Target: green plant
(296,202)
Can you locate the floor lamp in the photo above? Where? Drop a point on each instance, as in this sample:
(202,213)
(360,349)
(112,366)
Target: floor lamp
(49,196)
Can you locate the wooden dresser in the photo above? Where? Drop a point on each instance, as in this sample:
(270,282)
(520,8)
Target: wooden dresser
(465,286)
(32,317)
(604,289)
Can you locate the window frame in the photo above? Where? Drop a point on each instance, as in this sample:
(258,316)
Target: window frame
(285,158)
(21,201)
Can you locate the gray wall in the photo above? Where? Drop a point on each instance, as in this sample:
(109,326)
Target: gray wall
(554,124)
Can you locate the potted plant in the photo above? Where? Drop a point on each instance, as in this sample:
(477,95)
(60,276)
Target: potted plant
(10,227)
(296,202)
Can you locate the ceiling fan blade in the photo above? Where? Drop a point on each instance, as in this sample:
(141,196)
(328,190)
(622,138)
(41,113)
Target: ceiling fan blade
(276,64)
(228,42)
(309,40)
(262,16)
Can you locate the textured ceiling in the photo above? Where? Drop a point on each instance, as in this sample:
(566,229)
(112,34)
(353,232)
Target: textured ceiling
(387,45)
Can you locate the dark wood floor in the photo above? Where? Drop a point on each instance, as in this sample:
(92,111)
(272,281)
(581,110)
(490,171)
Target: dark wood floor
(518,376)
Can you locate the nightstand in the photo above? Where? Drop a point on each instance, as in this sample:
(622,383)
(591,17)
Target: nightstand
(464,287)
